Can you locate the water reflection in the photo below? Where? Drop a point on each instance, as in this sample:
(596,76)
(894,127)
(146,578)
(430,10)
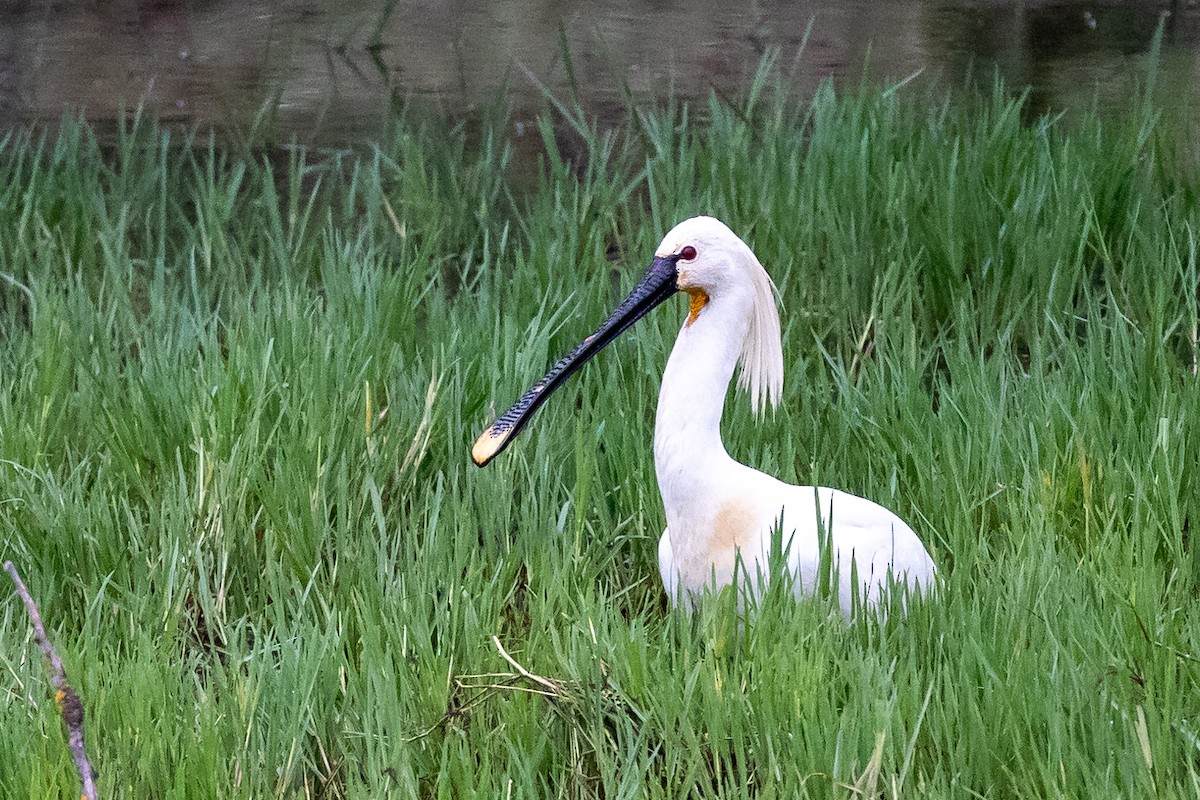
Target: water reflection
(330,73)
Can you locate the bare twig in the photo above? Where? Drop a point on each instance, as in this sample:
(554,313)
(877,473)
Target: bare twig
(554,688)
(489,684)
(69,704)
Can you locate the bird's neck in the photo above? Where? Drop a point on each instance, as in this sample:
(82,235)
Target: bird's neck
(687,430)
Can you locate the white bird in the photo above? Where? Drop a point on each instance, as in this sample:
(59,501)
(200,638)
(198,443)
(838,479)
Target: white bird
(721,514)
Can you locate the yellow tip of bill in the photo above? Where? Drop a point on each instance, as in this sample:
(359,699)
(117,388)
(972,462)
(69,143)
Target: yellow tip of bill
(487,445)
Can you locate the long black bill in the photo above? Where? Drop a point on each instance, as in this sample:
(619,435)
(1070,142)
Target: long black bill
(656,285)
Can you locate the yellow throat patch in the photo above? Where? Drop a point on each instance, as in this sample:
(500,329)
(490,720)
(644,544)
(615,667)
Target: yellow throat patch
(699,299)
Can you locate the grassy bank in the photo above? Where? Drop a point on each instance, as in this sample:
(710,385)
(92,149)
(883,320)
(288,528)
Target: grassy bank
(239,394)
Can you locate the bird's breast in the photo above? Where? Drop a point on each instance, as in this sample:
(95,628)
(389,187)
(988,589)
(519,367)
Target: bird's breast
(706,544)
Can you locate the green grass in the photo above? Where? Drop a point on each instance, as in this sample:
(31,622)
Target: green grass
(239,393)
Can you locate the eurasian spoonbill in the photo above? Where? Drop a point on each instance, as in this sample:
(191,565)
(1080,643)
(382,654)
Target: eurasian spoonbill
(717,508)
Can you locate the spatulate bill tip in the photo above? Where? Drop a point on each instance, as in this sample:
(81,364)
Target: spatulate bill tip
(487,446)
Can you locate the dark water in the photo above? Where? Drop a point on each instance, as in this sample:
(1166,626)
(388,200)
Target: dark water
(328,72)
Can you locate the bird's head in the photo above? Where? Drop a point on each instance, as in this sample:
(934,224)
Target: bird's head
(708,256)
(712,264)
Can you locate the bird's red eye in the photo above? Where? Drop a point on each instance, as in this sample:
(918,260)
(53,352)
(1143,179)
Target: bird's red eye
(687,253)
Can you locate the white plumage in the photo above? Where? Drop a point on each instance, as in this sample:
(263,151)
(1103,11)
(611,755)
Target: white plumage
(721,513)
(717,507)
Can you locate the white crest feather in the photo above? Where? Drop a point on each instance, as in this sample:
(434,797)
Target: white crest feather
(762,353)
